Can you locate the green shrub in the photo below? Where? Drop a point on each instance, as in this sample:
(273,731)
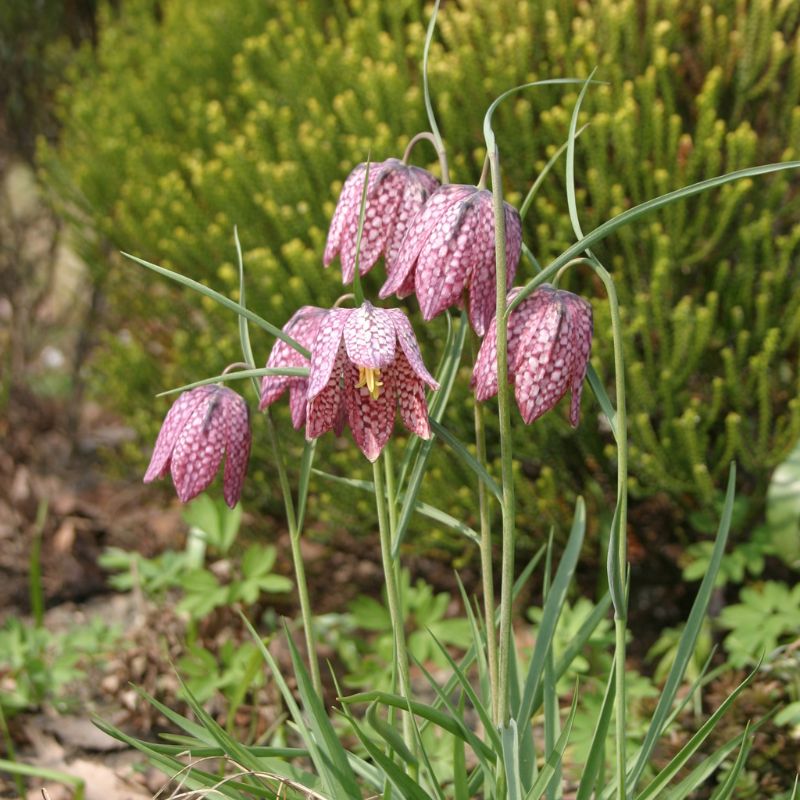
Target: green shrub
(183,124)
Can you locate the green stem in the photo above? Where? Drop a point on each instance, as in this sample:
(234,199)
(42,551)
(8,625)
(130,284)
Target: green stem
(506,455)
(618,561)
(297,557)
(487,566)
(393,599)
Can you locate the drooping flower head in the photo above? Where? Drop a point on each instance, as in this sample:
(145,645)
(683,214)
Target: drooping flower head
(365,363)
(302,327)
(395,193)
(549,341)
(203,424)
(449,247)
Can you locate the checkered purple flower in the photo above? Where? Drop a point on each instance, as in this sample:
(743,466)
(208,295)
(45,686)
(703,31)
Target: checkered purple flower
(358,371)
(449,248)
(203,424)
(395,193)
(302,327)
(549,340)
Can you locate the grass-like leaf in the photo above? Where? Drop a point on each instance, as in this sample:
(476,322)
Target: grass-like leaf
(550,614)
(228,377)
(390,735)
(597,749)
(306,464)
(688,638)
(510,750)
(226,302)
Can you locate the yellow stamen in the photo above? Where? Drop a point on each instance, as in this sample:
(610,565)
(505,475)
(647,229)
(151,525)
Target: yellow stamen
(370,377)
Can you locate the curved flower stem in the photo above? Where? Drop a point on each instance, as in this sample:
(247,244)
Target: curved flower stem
(436,135)
(506,454)
(486,552)
(441,153)
(393,599)
(297,558)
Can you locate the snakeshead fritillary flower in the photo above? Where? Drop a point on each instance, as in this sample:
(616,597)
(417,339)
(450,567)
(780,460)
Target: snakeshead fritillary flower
(302,327)
(549,340)
(395,193)
(358,367)
(449,247)
(202,425)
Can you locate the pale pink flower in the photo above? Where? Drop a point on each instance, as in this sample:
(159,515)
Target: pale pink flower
(449,248)
(359,371)
(396,192)
(302,327)
(203,424)
(549,341)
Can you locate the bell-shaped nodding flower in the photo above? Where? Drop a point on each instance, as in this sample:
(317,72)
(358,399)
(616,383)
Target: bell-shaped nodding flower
(203,425)
(365,363)
(302,327)
(449,247)
(395,193)
(549,340)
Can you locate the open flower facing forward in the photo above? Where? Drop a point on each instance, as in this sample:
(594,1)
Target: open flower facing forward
(302,327)
(203,424)
(365,363)
(395,193)
(449,247)
(549,340)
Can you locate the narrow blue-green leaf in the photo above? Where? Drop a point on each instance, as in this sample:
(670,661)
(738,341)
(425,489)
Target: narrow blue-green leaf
(45,773)
(306,464)
(244,331)
(479,643)
(186,744)
(572,203)
(467,458)
(550,696)
(439,718)
(460,783)
(228,377)
(510,749)
(548,771)
(526,203)
(480,708)
(615,578)
(391,736)
(319,761)
(223,301)
(597,749)
(550,614)
(488,132)
(654,788)
(701,773)
(632,214)
(688,638)
(425,509)
(321,727)
(192,728)
(433,780)
(602,398)
(407,787)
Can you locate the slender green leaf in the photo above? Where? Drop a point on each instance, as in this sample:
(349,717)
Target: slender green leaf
(572,203)
(602,398)
(690,748)
(306,463)
(460,785)
(688,638)
(550,614)
(548,771)
(510,750)
(597,749)
(701,773)
(240,374)
(467,458)
(390,734)
(632,214)
(244,331)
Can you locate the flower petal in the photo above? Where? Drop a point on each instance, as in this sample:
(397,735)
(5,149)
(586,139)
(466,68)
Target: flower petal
(418,185)
(349,202)
(325,349)
(237,448)
(410,347)
(198,450)
(298,399)
(369,336)
(410,392)
(181,410)
(371,420)
(323,411)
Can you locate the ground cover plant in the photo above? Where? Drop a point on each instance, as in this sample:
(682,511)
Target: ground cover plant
(353,364)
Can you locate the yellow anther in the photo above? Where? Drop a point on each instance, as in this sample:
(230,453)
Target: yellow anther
(370,377)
